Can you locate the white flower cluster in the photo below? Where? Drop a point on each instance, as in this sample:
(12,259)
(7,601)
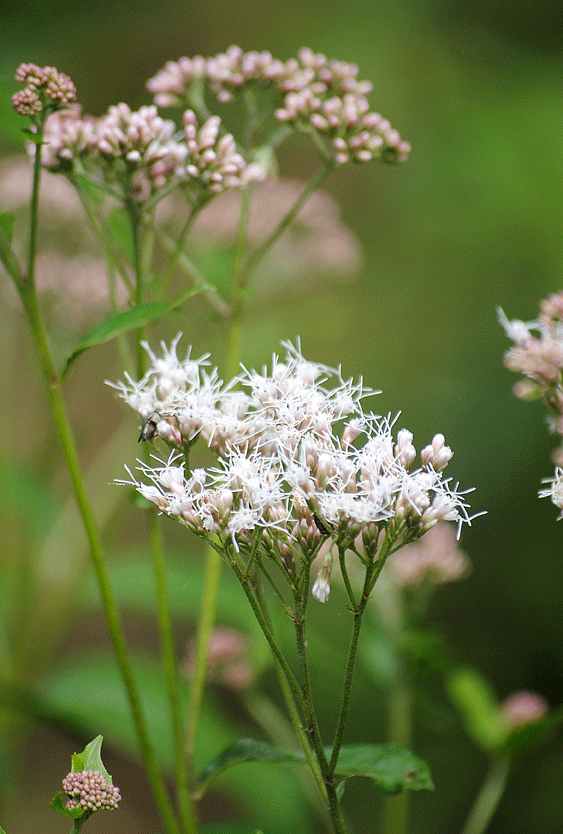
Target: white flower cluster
(144,145)
(313,92)
(287,468)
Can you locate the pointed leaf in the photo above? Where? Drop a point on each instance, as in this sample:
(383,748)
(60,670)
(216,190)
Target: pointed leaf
(90,759)
(125,322)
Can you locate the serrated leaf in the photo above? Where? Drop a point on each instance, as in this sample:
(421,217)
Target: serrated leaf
(125,322)
(7,226)
(477,702)
(58,804)
(392,768)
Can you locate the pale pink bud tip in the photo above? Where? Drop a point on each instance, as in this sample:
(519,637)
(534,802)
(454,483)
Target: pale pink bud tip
(524,707)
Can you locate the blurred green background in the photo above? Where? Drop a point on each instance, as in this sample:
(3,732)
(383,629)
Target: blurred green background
(471,221)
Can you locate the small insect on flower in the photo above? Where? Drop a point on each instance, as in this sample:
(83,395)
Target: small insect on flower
(321,527)
(148,429)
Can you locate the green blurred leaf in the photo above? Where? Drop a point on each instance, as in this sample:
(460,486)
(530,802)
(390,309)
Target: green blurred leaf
(244,750)
(28,496)
(119,229)
(125,322)
(474,697)
(133,583)
(7,225)
(231,828)
(527,737)
(392,768)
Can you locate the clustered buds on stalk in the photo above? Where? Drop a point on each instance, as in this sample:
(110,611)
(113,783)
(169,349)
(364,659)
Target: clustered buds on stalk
(314,94)
(90,791)
(148,155)
(45,89)
(540,359)
(288,476)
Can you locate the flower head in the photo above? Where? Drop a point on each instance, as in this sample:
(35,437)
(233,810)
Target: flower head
(289,475)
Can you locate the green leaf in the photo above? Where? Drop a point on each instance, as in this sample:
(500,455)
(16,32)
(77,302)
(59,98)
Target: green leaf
(125,322)
(31,136)
(231,827)
(527,737)
(392,768)
(58,803)
(119,229)
(91,759)
(7,226)
(133,582)
(244,750)
(477,702)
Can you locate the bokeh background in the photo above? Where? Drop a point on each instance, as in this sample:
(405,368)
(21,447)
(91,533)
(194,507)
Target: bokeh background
(471,221)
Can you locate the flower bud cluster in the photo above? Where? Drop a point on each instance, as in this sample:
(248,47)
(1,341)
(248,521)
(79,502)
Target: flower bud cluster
(146,150)
(212,159)
(312,93)
(539,358)
(45,88)
(287,468)
(90,791)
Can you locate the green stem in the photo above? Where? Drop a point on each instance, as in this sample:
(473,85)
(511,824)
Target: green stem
(179,246)
(185,802)
(204,633)
(489,796)
(71,457)
(372,572)
(301,598)
(56,402)
(289,699)
(34,205)
(396,808)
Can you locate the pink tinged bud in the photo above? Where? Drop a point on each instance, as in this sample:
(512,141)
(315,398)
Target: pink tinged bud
(172,479)
(437,454)
(524,707)
(321,587)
